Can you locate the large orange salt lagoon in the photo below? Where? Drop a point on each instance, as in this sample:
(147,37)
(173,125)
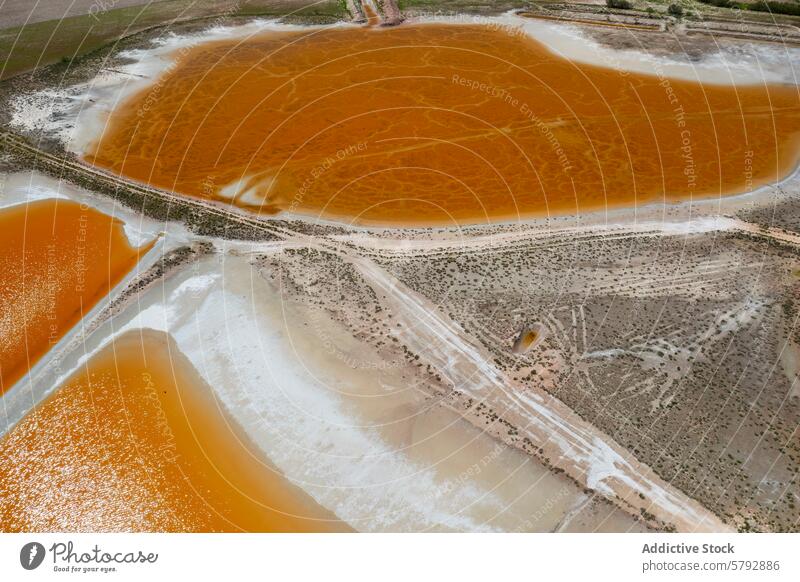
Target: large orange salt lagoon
(439,124)
(58,259)
(135,441)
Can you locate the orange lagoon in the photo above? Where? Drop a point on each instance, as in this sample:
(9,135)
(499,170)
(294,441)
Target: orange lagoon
(135,441)
(58,260)
(439,124)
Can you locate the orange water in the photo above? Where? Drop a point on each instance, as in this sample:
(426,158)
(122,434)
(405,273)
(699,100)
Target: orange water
(136,442)
(440,124)
(57,260)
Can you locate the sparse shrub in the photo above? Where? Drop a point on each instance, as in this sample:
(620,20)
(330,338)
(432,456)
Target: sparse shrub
(675,10)
(621,4)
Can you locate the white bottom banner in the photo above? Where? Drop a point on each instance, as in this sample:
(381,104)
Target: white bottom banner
(355,557)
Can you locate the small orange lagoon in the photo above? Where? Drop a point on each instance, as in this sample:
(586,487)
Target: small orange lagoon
(439,124)
(58,259)
(136,442)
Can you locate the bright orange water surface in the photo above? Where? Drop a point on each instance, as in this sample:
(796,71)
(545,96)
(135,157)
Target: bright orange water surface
(57,260)
(136,442)
(435,124)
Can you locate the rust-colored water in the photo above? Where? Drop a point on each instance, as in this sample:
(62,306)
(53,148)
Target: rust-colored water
(136,442)
(440,124)
(57,260)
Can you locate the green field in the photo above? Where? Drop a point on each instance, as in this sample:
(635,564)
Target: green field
(36,45)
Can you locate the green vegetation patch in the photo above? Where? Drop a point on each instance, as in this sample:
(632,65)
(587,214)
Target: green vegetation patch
(36,45)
